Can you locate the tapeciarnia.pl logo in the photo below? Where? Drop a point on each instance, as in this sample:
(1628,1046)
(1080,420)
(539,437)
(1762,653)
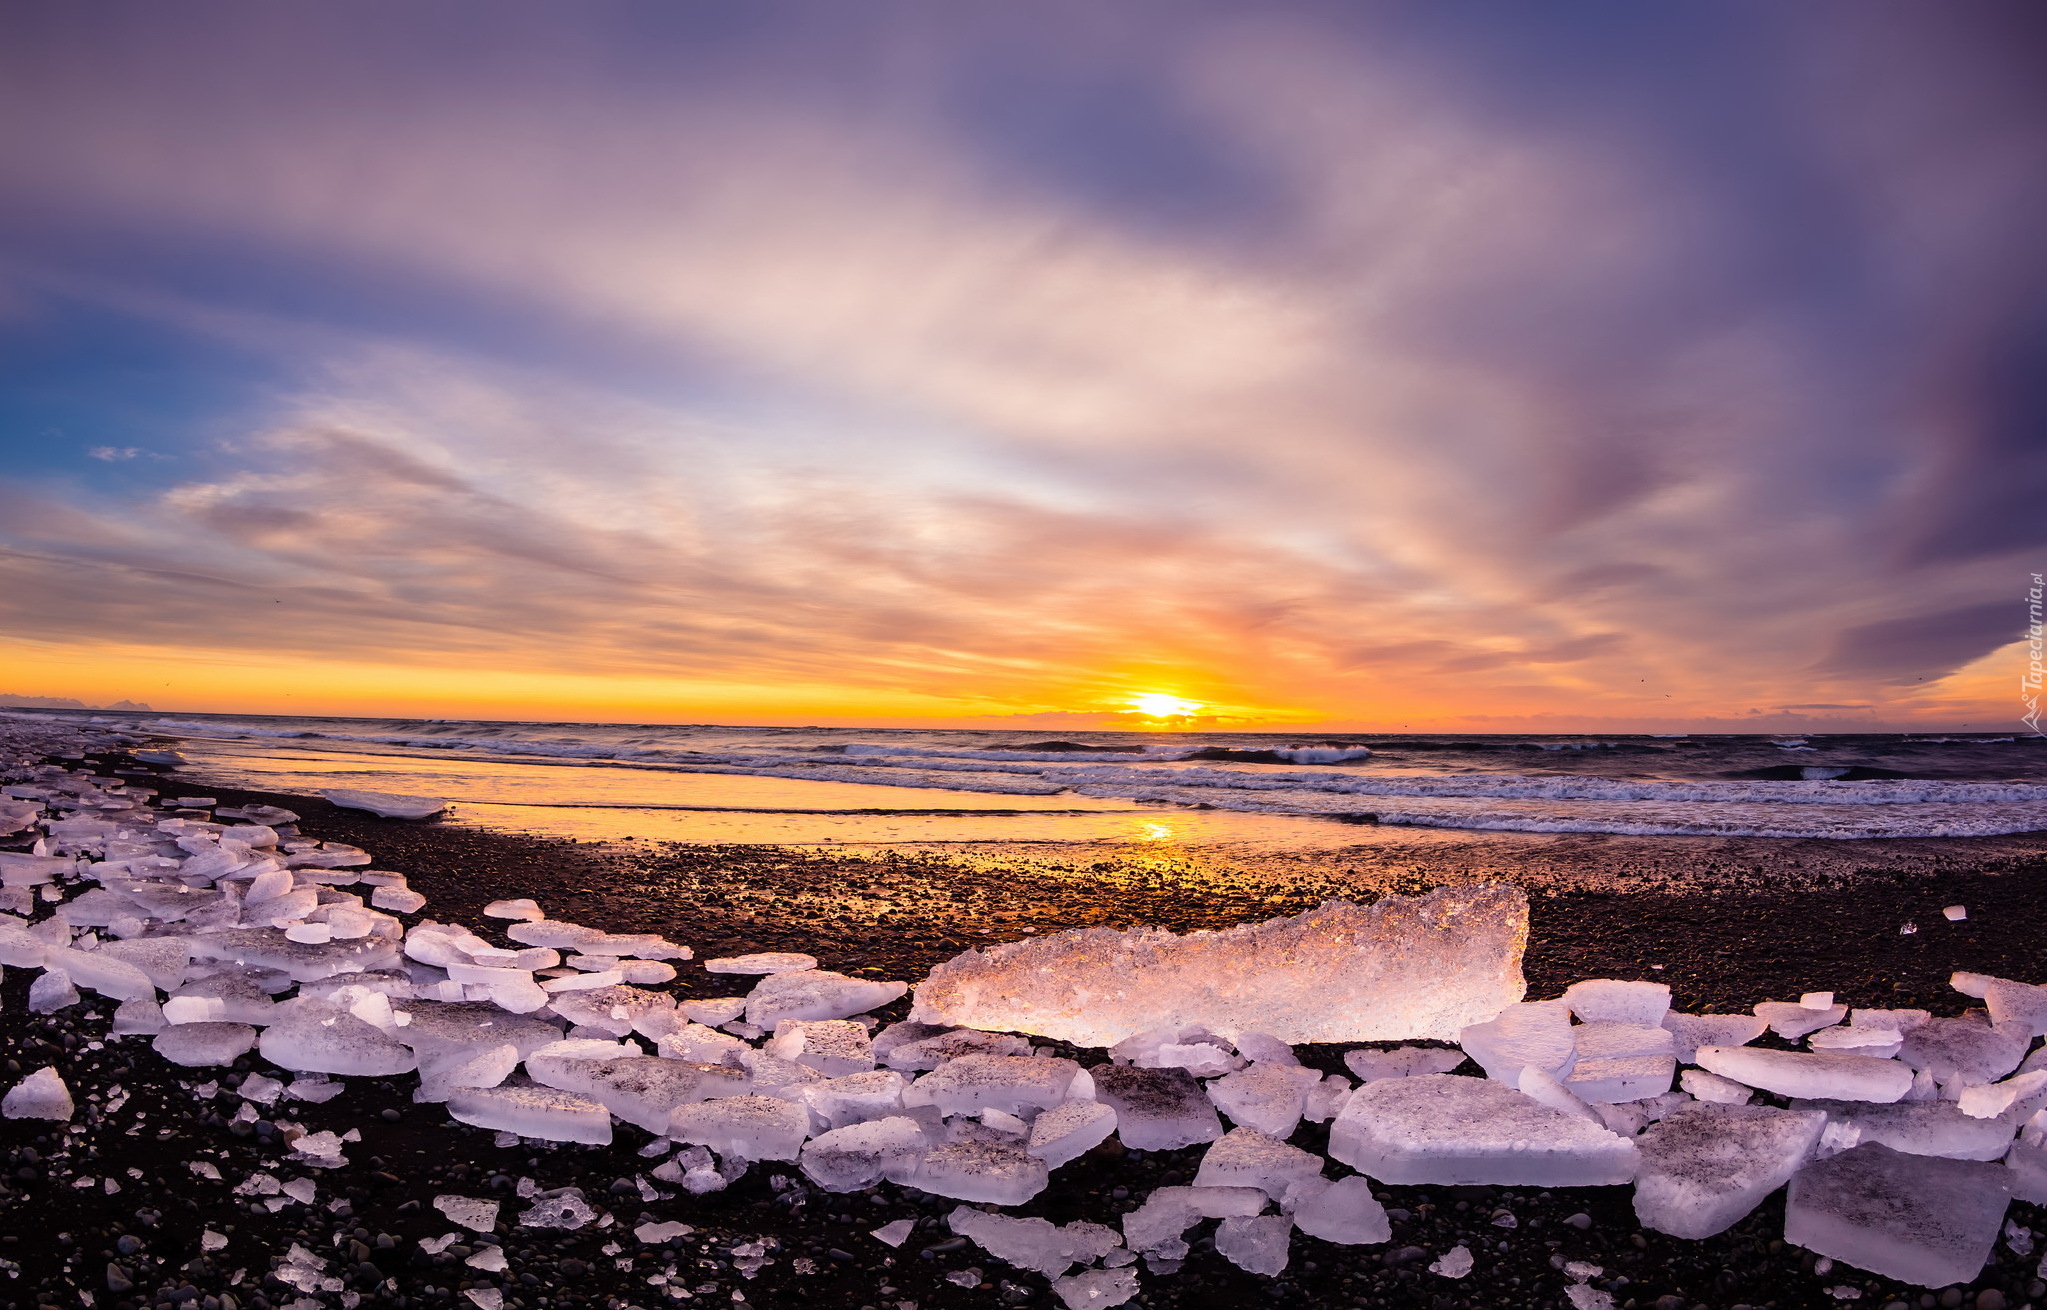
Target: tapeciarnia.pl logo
(2029,685)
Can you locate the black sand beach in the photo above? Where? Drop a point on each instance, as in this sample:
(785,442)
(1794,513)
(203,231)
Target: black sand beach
(1729,922)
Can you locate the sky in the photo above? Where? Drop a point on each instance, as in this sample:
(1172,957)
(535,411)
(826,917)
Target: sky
(1472,366)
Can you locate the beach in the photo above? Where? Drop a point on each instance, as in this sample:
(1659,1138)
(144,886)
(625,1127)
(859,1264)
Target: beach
(1724,921)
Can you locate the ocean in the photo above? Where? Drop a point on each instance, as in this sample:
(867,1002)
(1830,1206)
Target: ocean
(710,783)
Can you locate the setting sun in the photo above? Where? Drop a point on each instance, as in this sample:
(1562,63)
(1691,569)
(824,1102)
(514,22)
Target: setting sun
(1158,705)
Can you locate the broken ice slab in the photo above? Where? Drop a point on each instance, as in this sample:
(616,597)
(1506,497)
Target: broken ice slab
(1610,1000)
(531,1110)
(894,1233)
(137,1017)
(1245,1157)
(520,908)
(1918,1219)
(1268,1097)
(51,991)
(1442,1128)
(1371,1065)
(1343,1212)
(478,1216)
(1612,1081)
(1791,1021)
(165,960)
(200,1045)
(1325,1099)
(269,948)
(719,1010)
(833,1047)
(1403,967)
(1989,1100)
(1915,1128)
(942,1044)
(616,1009)
(981,1171)
(41,1095)
(1096,1289)
(1605,1039)
(1712,1087)
(434,1028)
(100,972)
(643,1089)
(1961,1053)
(1704,1167)
(1880,1042)
(1257,1244)
(750,1127)
(318,1037)
(563,1207)
(1531,1034)
(860,1155)
(1156,1109)
(2016,1006)
(1034,1244)
(705,1045)
(1007,1082)
(1691,1031)
(1809,1075)
(1171,1211)
(2027,1161)
(1065,1133)
(816,994)
(384,804)
(763,962)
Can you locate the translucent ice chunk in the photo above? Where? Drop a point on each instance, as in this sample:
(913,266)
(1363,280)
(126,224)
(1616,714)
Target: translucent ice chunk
(465,1067)
(1533,1034)
(895,1233)
(1065,1133)
(164,960)
(1610,1000)
(1442,1128)
(750,1127)
(1960,1053)
(1401,1062)
(615,1009)
(1035,1244)
(199,1045)
(1901,1020)
(1006,1082)
(947,1044)
(2027,1161)
(1918,1219)
(1989,1100)
(531,1110)
(1621,1078)
(1880,1042)
(1454,1263)
(1325,1099)
(319,1038)
(1603,1039)
(478,1216)
(51,991)
(1403,967)
(1809,1076)
(41,1095)
(833,1047)
(1096,1289)
(1171,1211)
(816,994)
(1712,1087)
(1343,1212)
(100,972)
(763,962)
(711,1013)
(855,1097)
(1791,1021)
(271,949)
(643,1089)
(859,1155)
(981,1171)
(704,1045)
(1548,1090)
(1691,1031)
(1245,1157)
(1705,1166)
(521,908)
(1268,1097)
(777,1077)
(1156,1109)
(1916,1128)
(433,1028)
(137,1016)
(389,805)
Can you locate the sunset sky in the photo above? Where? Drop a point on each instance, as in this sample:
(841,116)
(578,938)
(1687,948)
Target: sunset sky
(1481,366)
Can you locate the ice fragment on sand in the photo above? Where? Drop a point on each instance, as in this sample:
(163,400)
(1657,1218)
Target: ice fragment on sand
(521,908)
(833,1047)
(1691,1031)
(1712,1087)
(398,900)
(434,1028)
(855,1097)
(860,1155)
(1706,1166)
(1066,1132)
(531,1110)
(1955,913)
(51,991)
(1403,967)
(318,1037)
(643,1089)
(164,960)
(1915,1128)
(1809,1076)
(1880,1042)
(1401,1062)
(1245,1157)
(767,962)
(1547,1089)
(41,1095)
(1791,1021)
(1325,1099)
(1171,1211)
(1533,1034)
(1960,1053)
(385,804)
(704,1045)
(478,1216)
(1988,1100)
(1006,1082)
(137,1016)
(1156,1109)
(1343,1212)
(564,1207)
(816,994)
(947,1044)
(100,972)
(1614,1080)
(1096,1289)
(1255,1243)
(616,1009)
(751,1127)
(1268,1097)
(711,1013)
(2027,1161)
(2016,1006)
(1034,1244)
(198,1045)
(1455,1263)
(896,1233)
(1442,1128)
(1611,1000)
(981,1171)
(1918,1219)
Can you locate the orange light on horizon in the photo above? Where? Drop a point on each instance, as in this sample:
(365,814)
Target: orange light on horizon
(1159,705)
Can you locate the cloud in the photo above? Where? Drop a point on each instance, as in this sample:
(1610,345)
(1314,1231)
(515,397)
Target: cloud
(110,454)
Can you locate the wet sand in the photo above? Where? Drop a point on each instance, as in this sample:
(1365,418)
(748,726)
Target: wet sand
(1730,922)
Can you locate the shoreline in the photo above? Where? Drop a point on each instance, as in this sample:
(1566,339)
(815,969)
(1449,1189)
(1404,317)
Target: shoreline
(893,914)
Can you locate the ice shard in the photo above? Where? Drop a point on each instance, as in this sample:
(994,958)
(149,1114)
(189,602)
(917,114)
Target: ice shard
(1705,1166)
(1442,1128)
(1403,967)
(1916,1218)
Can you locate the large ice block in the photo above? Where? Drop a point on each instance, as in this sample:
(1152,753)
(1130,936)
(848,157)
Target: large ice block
(1403,967)
(1268,1097)
(1961,1052)
(1371,1064)
(854,1097)
(1067,1132)
(862,1154)
(750,1127)
(531,1110)
(1006,1082)
(1245,1157)
(320,1038)
(1156,1109)
(1035,1244)
(981,1171)
(433,1028)
(1705,1166)
(642,1089)
(815,994)
(1532,1034)
(616,1009)
(1609,1000)
(1916,1218)
(1447,1129)
(1916,1128)
(1808,1075)
(833,1047)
